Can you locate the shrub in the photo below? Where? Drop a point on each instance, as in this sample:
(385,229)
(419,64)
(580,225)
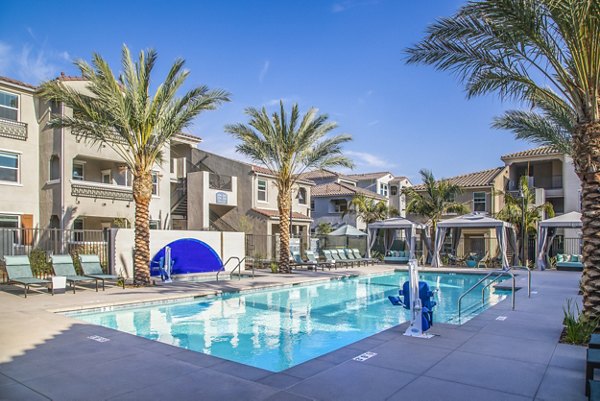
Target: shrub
(578,328)
(40,265)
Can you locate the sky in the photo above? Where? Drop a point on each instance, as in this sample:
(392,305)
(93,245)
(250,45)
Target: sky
(345,58)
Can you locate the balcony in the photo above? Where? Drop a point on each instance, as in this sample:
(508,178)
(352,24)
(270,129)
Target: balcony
(96,190)
(13,129)
(220,182)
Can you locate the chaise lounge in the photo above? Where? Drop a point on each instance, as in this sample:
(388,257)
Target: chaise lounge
(63,266)
(19,271)
(90,264)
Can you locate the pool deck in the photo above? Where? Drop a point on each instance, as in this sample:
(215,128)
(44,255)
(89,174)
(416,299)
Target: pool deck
(44,355)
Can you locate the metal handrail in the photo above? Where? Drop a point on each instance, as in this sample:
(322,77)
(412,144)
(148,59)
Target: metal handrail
(238,267)
(528,278)
(494,280)
(475,286)
(225,264)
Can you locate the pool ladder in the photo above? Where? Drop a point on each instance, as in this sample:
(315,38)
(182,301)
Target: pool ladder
(237,267)
(498,274)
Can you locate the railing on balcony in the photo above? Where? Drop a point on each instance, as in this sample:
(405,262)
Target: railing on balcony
(552,182)
(220,182)
(86,189)
(111,137)
(13,129)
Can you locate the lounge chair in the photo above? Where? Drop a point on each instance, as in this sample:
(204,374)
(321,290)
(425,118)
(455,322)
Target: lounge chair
(313,259)
(298,262)
(357,254)
(350,256)
(329,258)
(90,264)
(63,266)
(339,259)
(19,271)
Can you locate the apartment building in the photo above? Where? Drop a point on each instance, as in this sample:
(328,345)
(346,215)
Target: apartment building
(482,192)
(331,197)
(550,172)
(220,193)
(55,178)
(19,155)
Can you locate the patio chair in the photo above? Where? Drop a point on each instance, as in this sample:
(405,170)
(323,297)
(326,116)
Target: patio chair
(313,259)
(357,254)
(90,264)
(19,271)
(329,258)
(350,256)
(337,255)
(63,266)
(298,262)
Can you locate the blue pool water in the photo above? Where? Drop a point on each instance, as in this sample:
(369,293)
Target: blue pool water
(277,329)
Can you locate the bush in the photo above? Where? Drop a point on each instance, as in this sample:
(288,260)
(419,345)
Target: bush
(578,328)
(40,265)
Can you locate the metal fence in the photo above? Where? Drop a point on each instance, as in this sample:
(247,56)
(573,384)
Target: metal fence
(39,244)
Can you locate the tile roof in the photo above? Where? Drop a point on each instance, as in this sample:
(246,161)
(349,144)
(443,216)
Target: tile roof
(275,214)
(483,178)
(17,82)
(541,151)
(324,173)
(63,77)
(340,189)
(369,176)
(267,171)
(188,137)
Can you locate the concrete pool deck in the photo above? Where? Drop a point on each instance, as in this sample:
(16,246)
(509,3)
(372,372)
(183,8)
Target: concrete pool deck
(44,355)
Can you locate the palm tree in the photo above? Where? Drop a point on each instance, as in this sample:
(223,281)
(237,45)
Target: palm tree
(288,147)
(121,114)
(512,212)
(436,200)
(370,210)
(539,52)
(324,228)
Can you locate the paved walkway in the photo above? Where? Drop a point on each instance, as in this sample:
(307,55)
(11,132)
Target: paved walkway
(44,355)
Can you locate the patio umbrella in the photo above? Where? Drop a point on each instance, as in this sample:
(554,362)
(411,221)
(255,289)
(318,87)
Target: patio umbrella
(347,230)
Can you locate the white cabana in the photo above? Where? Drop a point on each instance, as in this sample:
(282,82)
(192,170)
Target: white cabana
(547,232)
(390,229)
(504,232)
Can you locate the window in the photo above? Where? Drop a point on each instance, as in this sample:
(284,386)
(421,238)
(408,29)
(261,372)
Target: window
(155,224)
(383,189)
(9,166)
(106,177)
(9,106)
(302,196)
(393,190)
(312,205)
(155,183)
(78,230)
(451,198)
(479,202)
(339,205)
(8,221)
(262,190)
(78,170)
(54,167)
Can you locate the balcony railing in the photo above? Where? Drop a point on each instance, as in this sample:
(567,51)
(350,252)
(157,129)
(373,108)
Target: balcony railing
(112,137)
(13,129)
(86,189)
(220,182)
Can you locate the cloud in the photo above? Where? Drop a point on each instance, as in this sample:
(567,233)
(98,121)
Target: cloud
(263,71)
(372,123)
(348,4)
(287,101)
(368,160)
(31,63)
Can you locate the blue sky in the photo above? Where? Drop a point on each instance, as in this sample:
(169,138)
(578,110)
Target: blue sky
(343,57)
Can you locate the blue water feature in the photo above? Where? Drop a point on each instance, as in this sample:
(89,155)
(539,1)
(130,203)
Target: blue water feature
(279,328)
(189,255)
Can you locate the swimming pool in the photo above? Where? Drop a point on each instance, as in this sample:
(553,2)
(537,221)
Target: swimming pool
(275,329)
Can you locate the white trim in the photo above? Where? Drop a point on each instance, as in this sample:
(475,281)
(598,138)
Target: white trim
(266,190)
(19,167)
(18,108)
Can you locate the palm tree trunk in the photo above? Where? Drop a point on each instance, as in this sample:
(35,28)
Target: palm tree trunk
(284,203)
(142,193)
(586,147)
